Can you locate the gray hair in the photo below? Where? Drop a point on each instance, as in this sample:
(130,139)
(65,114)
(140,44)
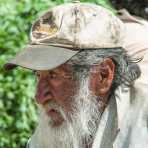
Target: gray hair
(126,70)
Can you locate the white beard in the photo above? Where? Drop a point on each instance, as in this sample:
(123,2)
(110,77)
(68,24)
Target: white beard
(77,133)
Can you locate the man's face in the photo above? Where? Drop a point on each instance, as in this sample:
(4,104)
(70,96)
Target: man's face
(69,105)
(68,110)
(55,89)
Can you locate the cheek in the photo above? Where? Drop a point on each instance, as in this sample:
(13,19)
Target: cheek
(65,91)
(94,83)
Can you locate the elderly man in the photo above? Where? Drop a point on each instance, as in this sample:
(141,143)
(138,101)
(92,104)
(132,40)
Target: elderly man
(78,56)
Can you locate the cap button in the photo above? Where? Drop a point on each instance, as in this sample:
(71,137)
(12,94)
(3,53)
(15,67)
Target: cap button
(76,1)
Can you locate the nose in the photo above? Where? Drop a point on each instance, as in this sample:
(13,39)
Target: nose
(43,93)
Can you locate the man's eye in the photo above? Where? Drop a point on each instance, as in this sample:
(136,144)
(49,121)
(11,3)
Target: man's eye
(53,75)
(36,73)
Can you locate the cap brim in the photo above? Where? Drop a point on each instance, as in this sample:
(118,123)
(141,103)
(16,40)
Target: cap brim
(41,57)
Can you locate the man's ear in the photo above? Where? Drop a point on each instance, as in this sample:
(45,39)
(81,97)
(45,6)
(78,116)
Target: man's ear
(101,77)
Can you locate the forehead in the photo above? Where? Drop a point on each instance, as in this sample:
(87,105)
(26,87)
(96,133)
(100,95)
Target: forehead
(62,68)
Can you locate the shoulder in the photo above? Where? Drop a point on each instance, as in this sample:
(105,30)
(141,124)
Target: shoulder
(136,32)
(135,120)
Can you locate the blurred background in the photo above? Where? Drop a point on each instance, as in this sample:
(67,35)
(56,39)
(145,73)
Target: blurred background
(18,114)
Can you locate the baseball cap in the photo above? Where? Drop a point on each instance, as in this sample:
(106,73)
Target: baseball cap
(63,31)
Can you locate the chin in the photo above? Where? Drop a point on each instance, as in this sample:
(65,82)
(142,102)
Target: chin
(50,134)
(51,119)
(55,118)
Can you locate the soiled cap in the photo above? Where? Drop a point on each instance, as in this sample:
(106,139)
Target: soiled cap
(64,30)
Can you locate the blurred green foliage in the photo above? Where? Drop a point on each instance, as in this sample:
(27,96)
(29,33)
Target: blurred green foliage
(17,106)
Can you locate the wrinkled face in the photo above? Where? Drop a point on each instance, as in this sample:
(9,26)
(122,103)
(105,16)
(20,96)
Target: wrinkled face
(69,112)
(55,89)
(71,100)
